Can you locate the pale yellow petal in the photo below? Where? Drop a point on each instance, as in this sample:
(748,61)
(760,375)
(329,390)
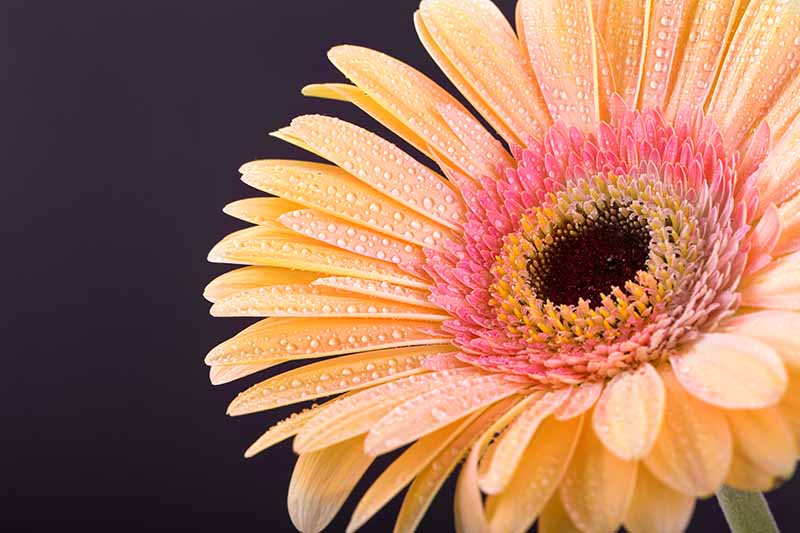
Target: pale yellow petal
(597,487)
(628,415)
(656,508)
(246,278)
(476,47)
(625,34)
(694,447)
(356,238)
(381,165)
(511,446)
(265,247)
(332,376)
(316,301)
(554,518)
(433,409)
(562,45)
(582,398)
(403,470)
(731,371)
(415,100)
(760,63)
(360,412)
(332,190)
(777,286)
(698,53)
(779,329)
(378,289)
(536,478)
(427,483)
(286,339)
(765,438)
(322,481)
(262,211)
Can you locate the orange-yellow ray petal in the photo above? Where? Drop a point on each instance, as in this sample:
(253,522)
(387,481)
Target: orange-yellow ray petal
(286,428)
(625,34)
(694,447)
(490,69)
(470,515)
(316,301)
(332,190)
(219,375)
(358,413)
(427,483)
(666,20)
(332,376)
(656,508)
(247,278)
(286,339)
(765,438)
(537,476)
(511,446)
(731,371)
(562,45)
(779,329)
(554,518)
(378,289)
(581,398)
(403,470)
(264,247)
(761,62)
(322,481)
(435,408)
(698,53)
(356,238)
(746,475)
(778,176)
(777,286)
(381,165)
(628,415)
(262,211)
(597,486)
(789,216)
(414,99)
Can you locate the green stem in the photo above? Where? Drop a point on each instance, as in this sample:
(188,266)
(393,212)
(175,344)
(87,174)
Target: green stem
(746,512)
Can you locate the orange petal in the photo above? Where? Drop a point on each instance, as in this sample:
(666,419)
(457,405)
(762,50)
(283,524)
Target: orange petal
(698,53)
(400,473)
(694,447)
(332,376)
(360,412)
(656,508)
(665,22)
(265,247)
(286,339)
(511,445)
(536,478)
(597,487)
(554,518)
(322,481)
(562,45)
(415,100)
(731,371)
(427,483)
(219,375)
(789,215)
(246,278)
(759,65)
(628,415)
(476,47)
(765,438)
(379,164)
(581,399)
(332,190)
(378,289)
(435,408)
(777,328)
(262,211)
(776,286)
(625,34)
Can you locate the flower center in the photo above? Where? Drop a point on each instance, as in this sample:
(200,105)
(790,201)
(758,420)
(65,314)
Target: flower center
(588,258)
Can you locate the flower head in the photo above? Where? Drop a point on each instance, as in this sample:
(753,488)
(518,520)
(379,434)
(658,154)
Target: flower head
(598,312)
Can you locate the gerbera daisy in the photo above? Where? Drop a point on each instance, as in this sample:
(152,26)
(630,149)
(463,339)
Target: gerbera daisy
(597,312)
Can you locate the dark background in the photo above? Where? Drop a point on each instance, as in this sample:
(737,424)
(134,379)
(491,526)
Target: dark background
(122,127)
